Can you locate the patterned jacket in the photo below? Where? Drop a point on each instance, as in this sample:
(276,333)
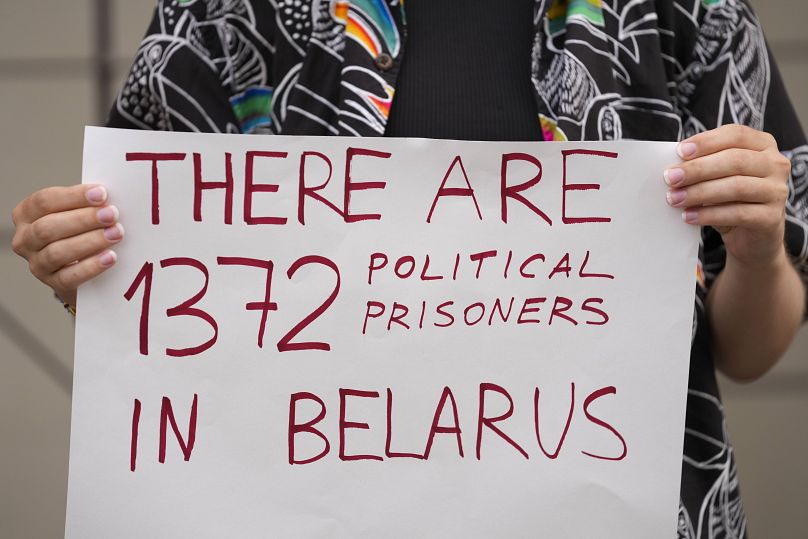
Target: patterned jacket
(601,70)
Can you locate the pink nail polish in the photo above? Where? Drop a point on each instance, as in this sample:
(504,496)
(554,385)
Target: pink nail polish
(107,215)
(690,216)
(677,196)
(96,194)
(114,233)
(674,176)
(108,258)
(686,149)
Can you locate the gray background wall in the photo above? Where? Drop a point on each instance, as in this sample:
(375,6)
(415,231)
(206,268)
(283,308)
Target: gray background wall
(49,91)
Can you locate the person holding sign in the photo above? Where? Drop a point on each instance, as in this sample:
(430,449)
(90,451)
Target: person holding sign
(694,71)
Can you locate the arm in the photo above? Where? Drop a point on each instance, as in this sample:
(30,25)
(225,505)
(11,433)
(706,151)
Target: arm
(754,313)
(734,179)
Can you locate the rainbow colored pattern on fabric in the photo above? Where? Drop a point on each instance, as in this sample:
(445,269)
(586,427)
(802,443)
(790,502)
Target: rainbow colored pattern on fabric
(550,130)
(382,104)
(252,108)
(369,23)
(700,278)
(560,11)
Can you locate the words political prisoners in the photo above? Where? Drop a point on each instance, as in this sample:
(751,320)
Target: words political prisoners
(398,315)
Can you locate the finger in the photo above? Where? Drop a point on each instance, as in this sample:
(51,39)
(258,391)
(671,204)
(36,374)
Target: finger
(57,199)
(734,215)
(727,190)
(732,162)
(725,137)
(59,254)
(57,226)
(72,276)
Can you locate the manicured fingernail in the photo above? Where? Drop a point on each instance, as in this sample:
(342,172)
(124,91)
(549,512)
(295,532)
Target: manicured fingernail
(686,149)
(690,216)
(114,233)
(107,215)
(108,258)
(96,194)
(675,197)
(674,176)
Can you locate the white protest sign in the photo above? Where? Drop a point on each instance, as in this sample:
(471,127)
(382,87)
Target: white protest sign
(344,337)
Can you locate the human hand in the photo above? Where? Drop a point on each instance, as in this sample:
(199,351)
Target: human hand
(65,234)
(734,179)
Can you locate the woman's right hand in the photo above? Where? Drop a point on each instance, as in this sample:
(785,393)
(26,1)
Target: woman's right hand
(65,234)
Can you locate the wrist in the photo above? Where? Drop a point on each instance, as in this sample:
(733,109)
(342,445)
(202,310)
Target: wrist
(70,307)
(770,267)
(66,296)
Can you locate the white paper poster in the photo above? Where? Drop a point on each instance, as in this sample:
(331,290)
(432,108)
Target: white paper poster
(353,337)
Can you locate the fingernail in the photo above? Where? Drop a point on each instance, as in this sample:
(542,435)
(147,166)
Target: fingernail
(96,194)
(114,233)
(107,215)
(690,216)
(108,258)
(674,176)
(686,149)
(675,197)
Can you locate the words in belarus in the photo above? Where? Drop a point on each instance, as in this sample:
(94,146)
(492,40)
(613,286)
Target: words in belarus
(404,315)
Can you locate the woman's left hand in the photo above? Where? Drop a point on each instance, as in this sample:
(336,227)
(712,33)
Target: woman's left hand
(734,179)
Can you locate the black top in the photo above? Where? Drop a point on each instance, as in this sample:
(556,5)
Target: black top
(466,75)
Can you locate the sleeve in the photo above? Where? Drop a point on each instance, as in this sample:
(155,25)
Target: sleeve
(730,76)
(194,67)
